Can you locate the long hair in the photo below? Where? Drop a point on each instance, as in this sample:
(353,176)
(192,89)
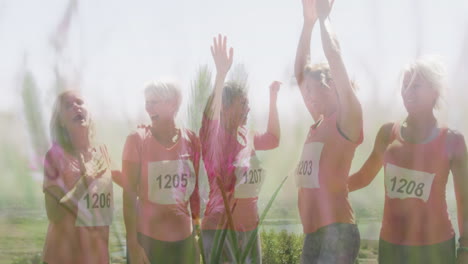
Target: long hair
(58,132)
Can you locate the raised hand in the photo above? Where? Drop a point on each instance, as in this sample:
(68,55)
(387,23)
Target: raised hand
(323,8)
(274,88)
(309,10)
(92,169)
(221,57)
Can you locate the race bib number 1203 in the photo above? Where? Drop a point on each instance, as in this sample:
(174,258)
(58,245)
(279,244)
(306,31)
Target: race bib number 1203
(307,171)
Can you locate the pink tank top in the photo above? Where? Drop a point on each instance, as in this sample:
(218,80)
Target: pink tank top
(234,160)
(81,236)
(415,211)
(168,184)
(321,176)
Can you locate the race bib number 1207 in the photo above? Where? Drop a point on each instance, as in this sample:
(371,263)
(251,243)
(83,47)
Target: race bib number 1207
(250,179)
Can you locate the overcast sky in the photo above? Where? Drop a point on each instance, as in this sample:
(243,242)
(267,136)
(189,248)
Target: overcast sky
(119,45)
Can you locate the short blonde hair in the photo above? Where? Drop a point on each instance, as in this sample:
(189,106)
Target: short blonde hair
(58,132)
(164,90)
(431,69)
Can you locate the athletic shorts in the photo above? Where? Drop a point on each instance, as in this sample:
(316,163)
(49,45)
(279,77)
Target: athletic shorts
(164,252)
(337,243)
(441,253)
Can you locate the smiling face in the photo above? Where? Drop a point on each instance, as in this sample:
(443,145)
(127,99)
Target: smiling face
(159,108)
(417,93)
(162,100)
(319,99)
(318,90)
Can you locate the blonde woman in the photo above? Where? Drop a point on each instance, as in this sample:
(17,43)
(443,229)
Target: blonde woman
(417,155)
(160,169)
(331,235)
(77,187)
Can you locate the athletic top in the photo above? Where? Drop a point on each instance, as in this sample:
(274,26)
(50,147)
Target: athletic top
(168,184)
(321,176)
(233,159)
(415,211)
(80,236)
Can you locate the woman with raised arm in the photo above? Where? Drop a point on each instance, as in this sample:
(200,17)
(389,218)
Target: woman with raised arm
(77,186)
(417,155)
(326,214)
(160,170)
(229,154)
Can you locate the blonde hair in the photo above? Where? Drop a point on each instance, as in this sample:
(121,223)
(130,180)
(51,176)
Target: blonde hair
(58,132)
(164,90)
(431,69)
(319,72)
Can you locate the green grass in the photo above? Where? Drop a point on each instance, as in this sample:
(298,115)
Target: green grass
(23,232)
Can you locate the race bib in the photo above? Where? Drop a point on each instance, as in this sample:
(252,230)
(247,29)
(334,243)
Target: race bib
(170,181)
(307,171)
(250,176)
(404,183)
(96,207)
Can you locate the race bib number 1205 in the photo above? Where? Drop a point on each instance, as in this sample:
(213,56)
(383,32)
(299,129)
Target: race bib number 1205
(170,181)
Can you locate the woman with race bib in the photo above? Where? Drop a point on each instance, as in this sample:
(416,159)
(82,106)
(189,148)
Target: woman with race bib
(77,186)
(417,155)
(331,235)
(229,154)
(160,169)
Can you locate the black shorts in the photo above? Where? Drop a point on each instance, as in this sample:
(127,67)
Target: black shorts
(177,252)
(337,243)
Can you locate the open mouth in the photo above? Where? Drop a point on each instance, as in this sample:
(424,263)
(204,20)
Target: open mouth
(79,118)
(154,117)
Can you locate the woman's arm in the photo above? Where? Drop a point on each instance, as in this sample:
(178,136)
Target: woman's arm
(270,139)
(371,167)
(459,168)
(57,202)
(131,172)
(90,171)
(55,211)
(303,48)
(350,112)
(223,61)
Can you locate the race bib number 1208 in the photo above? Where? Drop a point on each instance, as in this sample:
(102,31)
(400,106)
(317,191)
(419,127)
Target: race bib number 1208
(405,183)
